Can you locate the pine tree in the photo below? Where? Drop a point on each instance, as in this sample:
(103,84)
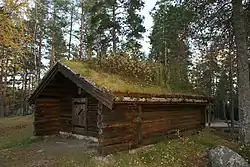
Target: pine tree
(134,26)
(169,42)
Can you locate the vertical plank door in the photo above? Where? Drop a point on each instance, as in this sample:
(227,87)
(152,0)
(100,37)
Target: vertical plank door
(79,115)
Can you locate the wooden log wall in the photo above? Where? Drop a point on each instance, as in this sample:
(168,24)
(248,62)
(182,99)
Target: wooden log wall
(117,128)
(56,98)
(53,107)
(46,120)
(133,125)
(92,116)
(66,114)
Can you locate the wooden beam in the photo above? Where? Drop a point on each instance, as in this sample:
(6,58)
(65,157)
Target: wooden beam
(46,79)
(86,116)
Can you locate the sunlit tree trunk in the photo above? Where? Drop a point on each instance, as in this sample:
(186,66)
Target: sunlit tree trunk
(39,57)
(70,31)
(114,29)
(81,52)
(52,54)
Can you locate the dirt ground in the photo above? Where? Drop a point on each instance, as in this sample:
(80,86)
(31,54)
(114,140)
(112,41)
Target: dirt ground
(45,153)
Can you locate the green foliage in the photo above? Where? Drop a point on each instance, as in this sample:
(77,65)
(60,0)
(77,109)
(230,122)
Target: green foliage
(14,34)
(169,40)
(134,29)
(98,21)
(113,26)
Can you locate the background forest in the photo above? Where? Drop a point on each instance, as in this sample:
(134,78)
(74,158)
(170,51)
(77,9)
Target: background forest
(193,44)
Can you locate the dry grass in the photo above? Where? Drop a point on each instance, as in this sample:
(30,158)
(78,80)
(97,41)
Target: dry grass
(113,82)
(187,151)
(15,131)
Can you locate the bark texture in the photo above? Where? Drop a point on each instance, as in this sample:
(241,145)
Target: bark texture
(243,71)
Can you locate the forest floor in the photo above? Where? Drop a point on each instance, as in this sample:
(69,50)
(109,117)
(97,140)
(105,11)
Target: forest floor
(19,148)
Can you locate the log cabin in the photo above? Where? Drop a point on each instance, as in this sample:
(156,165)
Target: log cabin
(71,99)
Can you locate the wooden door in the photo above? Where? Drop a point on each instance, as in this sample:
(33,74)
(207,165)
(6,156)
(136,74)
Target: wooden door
(79,115)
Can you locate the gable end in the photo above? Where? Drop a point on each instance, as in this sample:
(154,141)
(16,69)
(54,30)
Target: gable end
(104,97)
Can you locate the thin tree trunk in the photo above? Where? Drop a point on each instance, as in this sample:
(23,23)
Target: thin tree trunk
(22,96)
(35,36)
(14,88)
(81,52)
(70,31)
(1,85)
(39,58)
(225,113)
(52,54)
(243,75)
(113,30)
(5,87)
(25,92)
(231,90)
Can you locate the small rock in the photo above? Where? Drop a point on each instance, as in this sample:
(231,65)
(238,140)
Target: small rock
(224,157)
(39,151)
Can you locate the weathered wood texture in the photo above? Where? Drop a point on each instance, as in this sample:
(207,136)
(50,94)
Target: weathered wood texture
(54,109)
(128,125)
(133,125)
(47,121)
(92,116)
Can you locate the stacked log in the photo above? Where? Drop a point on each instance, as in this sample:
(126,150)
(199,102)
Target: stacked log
(47,121)
(66,114)
(118,129)
(161,121)
(92,114)
(135,125)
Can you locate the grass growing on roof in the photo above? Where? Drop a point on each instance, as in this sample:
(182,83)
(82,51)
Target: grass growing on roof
(113,82)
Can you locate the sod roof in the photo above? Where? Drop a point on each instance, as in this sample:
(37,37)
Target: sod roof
(113,82)
(109,88)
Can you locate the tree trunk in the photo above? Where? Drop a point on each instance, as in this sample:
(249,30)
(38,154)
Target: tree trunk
(52,54)
(1,85)
(22,96)
(25,92)
(35,36)
(243,70)
(5,87)
(113,30)
(231,89)
(81,52)
(70,31)
(14,89)
(39,58)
